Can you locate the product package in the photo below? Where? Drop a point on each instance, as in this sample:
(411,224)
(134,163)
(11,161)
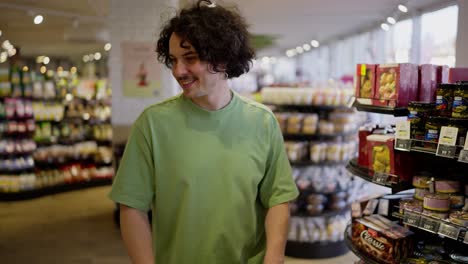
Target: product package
(396,84)
(443,74)
(365,80)
(458,74)
(363,158)
(381,239)
(427,83)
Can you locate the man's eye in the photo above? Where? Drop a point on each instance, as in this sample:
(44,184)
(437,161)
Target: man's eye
(191,59)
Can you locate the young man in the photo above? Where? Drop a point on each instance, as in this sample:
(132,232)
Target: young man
(210,163)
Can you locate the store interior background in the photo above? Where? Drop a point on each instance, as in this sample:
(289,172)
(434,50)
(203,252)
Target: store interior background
(348,32)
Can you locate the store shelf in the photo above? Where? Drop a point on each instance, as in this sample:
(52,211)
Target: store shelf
(315,250)
(309,137)
(416,146)
(354,249)
(398,111)
(386,180)
(434,225)
(31,194)
(325,214)
(308,108)
(305,163)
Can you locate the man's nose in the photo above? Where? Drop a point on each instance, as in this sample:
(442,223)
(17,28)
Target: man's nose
(179,69)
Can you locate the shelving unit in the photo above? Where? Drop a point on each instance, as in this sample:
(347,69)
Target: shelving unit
(395,111)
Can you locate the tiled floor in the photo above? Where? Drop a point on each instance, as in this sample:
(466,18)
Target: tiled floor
(73,228)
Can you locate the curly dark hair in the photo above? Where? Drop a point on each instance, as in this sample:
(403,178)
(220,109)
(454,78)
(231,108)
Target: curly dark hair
(219,36)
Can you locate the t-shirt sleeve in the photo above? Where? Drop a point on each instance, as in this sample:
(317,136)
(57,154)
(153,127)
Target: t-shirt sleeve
(277,185)
(133,184)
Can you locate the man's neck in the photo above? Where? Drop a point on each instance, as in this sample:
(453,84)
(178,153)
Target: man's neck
(215,101)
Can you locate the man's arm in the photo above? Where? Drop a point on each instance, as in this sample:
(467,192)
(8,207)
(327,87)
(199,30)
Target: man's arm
(276,226)
(136,234)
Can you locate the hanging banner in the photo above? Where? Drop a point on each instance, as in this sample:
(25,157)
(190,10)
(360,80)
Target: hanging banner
(141,71)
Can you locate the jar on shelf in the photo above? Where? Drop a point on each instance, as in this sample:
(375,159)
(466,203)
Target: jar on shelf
(444,99)
(460,101)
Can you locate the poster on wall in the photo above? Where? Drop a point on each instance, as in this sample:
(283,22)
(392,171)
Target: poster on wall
(141,71)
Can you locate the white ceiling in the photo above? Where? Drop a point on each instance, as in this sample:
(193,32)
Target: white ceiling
(293,22)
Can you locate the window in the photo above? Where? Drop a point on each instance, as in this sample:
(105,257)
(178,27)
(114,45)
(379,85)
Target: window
(399,42)
(438,36)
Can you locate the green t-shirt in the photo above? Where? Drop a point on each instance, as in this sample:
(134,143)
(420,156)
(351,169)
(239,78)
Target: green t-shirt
(210,177)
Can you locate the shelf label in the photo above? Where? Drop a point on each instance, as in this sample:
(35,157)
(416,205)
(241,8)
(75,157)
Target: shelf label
(351,101)
(447,141)
(403,144)
(466,142)
(449,231)
(466,238)
(402,136)
(411,219)
(429,224)
(463,156)
(380,178)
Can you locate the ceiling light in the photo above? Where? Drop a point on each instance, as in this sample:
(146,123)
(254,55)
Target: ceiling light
(59,68)
(391,20)
(273,60)
(39,59)
(1,33)
(91,57)
(38,19)
(299,49)
(315,43)
(6,44)
(291,53)
(25,68)
(3,57)
(43,69)
(107,47)
(50,73)
(11,52)
(73,69)
(85,58)
(265,60)
(402,8)
(97,56)
(46,60)
(306,47)
(385,26)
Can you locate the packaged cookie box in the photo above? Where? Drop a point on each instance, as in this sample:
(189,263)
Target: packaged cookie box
(381,239)
(365,80)
(427,84)
(458,74)
(384,159)
(396,84)
(363,159)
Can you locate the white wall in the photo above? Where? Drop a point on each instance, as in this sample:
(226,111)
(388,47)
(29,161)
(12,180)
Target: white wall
(136,21)
(461,52)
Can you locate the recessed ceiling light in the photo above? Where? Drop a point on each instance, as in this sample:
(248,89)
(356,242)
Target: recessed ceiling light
(306,47)
(97,56)
(46,60)
(385,26)
(1,33)
(38,19)
(299,49)
(107,47)
(391,20)
(85,58)
(315,43)
(43,69)
(3,57)
(402,8)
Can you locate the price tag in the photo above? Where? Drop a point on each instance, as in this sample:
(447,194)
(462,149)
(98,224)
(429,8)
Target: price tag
(351,101)
(411,219)
(447,141)
(466,238)
(449,231)
(466,142)
(403,130)
(429,224)
(380,178)
(403,144)
(463,156)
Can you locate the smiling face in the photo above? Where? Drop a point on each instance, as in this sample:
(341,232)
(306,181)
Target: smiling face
(192,74)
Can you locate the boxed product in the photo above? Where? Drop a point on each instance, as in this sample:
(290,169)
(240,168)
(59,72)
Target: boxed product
(458,74)
(427,83)
(384,159)
(365,80)
(381,239)
(396,84)
(443,74)
(363,159)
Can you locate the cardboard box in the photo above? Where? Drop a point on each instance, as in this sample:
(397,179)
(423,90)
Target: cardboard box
(396,84)
(458,74)
(382,240)
(363,158)
(443,74)
(427,83)
(365,80)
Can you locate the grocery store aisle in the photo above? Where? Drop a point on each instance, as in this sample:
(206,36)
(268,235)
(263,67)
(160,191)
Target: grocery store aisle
(72,228)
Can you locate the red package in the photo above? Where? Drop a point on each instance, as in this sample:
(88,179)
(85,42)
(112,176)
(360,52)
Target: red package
(458,74)
(427,83)
(396,84)
(443,74)
(363,159)
(383,158)
(365,80)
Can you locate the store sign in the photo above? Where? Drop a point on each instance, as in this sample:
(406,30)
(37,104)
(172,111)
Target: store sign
(429,224)
(449,231)
(411,219)
(447,140)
